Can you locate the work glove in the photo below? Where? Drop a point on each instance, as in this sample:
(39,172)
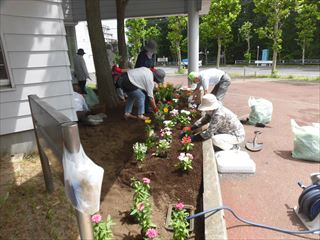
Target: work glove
(193,127)
(197,138)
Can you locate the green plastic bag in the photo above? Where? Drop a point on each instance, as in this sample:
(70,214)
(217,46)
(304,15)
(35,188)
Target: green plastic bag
(306,141)
(261,110)
(91,98)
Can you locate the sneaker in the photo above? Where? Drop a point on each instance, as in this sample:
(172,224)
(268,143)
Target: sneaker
(142,117)
(129,115)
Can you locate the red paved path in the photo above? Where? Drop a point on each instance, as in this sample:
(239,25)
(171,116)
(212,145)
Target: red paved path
(268,196)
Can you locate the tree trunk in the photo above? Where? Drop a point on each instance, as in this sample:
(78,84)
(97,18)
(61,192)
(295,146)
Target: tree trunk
(106,90)
(121,9)
(303,50)
(179,56)
(275,47)
(248,42)
(219,52)
(206,55)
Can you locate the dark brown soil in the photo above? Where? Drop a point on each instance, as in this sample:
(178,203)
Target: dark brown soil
(110,146)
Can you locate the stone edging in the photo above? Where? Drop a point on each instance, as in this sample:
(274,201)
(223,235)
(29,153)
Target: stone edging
(214,225)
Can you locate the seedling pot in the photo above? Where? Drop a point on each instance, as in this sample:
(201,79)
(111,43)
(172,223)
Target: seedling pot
(190,210)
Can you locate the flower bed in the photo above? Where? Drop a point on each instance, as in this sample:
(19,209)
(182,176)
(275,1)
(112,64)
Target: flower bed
(174,177)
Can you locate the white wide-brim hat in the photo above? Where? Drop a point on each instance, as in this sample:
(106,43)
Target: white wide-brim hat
(209,102)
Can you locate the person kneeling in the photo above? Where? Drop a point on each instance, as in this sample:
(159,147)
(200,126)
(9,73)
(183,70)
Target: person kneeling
(224,129)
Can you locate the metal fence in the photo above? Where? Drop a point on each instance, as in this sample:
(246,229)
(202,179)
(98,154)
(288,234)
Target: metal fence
(54,132)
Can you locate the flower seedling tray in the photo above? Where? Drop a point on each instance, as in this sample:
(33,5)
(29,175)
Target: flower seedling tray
(190,210)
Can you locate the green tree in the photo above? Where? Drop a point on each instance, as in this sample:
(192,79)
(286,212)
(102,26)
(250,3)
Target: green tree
(175,35)
(106,89)
(306,21)
(136,33)
(221,15)
(205,36)
(245,32)
(276,12)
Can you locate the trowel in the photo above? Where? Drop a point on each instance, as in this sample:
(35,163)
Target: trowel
(254,146)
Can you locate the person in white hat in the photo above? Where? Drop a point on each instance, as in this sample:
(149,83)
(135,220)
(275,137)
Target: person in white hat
(225,129)
(212,77)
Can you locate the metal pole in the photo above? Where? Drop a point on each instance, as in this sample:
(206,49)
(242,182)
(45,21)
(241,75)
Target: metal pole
(71,141)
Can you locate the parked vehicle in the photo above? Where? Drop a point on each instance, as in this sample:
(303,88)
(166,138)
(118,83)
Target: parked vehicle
(184,63)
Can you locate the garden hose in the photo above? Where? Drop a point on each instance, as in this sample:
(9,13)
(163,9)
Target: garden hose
(215,210)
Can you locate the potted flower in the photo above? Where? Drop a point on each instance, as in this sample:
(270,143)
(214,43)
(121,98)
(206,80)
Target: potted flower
(162,148)
(187,145)
(139,151)
(185,161)
(102,229)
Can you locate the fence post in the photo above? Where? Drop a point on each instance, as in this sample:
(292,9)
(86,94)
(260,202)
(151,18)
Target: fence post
(71,141)
(46,170)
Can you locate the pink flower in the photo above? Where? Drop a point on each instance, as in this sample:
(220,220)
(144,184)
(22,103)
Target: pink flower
(189,155)
(151,233)
(146,180)
(140,206)
(96,218)
(179,206)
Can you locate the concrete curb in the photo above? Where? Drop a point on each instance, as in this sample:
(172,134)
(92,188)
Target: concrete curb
(214,225)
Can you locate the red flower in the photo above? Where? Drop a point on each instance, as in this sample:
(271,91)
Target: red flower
(186,129)
(186,139)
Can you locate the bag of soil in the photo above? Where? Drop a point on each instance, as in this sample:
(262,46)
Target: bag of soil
(306,141)
(82,180)
(261,110)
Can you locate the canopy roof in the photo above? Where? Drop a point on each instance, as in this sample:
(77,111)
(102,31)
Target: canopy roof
(74,10)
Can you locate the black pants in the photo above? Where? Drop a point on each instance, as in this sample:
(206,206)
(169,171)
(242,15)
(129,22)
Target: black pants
(82,85)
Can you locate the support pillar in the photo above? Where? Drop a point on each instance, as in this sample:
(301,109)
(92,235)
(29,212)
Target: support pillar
(193,36)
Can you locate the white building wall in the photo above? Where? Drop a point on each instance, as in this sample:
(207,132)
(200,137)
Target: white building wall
(35,48)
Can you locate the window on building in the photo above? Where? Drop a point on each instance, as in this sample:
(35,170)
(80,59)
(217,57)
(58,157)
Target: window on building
(4,75)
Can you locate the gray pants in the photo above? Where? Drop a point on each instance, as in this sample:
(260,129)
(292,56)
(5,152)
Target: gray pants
(221,88)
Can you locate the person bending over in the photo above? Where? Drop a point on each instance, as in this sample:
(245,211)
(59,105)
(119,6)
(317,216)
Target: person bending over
(209,78)
(137,84)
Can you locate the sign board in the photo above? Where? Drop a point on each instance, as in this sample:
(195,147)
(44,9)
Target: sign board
(265,54)
(163,59)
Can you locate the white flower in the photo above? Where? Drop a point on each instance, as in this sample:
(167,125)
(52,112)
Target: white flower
(185,112)
(174,112)
(167,123)
(185,157)
(175,100)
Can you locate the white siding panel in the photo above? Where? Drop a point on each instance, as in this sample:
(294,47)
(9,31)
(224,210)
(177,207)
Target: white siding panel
(27,8)
(49,89)
(20,25)
(29,60)
(11,125)
(20,109)
(39,75)
(35,43)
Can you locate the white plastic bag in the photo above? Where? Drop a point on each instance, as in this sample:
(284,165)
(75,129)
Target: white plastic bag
(235,161)
(306,141)
(261,110)
(82,180)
